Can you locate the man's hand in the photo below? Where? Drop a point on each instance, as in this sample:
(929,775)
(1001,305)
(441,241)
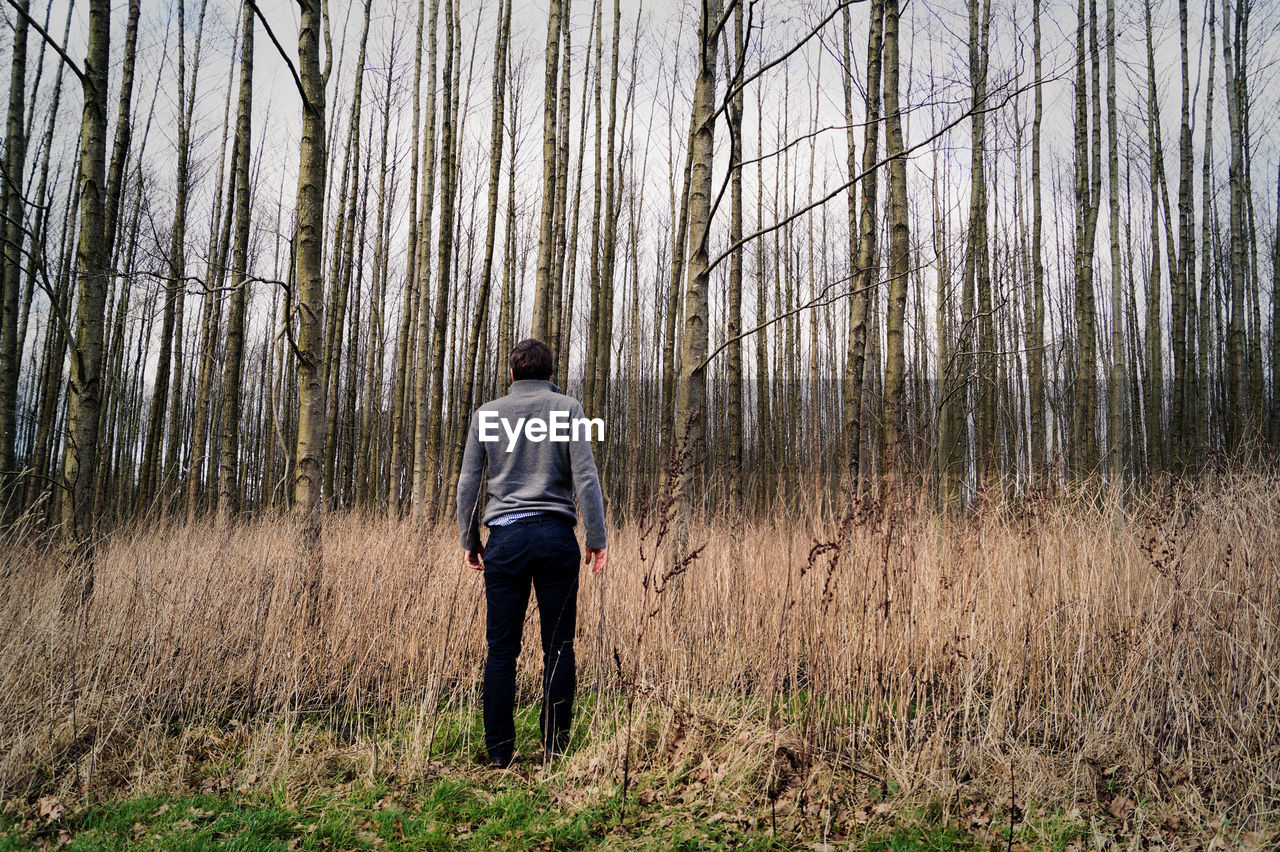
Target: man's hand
(475,558)
(601,556)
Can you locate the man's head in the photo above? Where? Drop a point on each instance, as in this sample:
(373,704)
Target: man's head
(531,359)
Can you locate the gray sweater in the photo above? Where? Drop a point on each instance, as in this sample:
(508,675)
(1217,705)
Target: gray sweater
(532,467)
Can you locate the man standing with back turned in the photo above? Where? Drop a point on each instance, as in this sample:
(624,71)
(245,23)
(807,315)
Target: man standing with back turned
(536,463)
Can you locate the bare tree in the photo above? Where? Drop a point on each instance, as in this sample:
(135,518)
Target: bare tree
(229,455)
(691,411)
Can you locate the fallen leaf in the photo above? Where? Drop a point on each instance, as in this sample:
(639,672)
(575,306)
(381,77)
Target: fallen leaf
(1256,841)
(51,809)
(1121,806)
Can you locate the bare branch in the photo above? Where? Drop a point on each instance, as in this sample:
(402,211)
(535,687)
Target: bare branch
(49,39)
(279,49)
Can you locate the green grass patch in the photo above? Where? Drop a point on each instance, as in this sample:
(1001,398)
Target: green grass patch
(479,811)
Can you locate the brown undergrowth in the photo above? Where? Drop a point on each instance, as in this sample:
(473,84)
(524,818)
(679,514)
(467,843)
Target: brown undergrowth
(1079,654)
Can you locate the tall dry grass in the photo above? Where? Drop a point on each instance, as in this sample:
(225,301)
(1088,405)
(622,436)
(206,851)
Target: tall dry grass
(1057,648)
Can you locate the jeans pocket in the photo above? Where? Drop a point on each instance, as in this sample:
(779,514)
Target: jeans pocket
(497,535)
(569,541)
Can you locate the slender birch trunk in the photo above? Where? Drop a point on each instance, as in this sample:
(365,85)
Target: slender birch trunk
(229,455)
(691,410)
(542,290)
(309,271)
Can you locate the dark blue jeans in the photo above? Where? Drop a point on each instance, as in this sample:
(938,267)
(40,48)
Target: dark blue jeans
(541,552)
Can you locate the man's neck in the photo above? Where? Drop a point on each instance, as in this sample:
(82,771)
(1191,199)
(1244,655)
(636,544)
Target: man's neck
(526,385)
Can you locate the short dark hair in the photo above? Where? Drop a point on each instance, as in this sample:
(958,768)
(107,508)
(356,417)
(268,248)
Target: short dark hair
(531,359)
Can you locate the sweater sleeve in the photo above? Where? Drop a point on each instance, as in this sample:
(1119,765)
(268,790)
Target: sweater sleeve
(469,509)
(586,484)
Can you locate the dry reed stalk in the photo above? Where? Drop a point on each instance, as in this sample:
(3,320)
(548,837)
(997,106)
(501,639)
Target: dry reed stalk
(1080,643)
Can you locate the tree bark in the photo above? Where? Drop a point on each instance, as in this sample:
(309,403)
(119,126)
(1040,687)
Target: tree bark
(865,272)
(1237,397)
(542,289)
(308,472)
(80,459)
(899,255)
(229,455)
(1115,425)
(1035,339)
(734,327)
(448,193)
(423,368)
(14,163)
(691,409)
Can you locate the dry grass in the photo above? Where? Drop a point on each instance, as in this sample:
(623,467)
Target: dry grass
(1067,652)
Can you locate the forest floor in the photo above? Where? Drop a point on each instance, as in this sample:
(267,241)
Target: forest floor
(204,796)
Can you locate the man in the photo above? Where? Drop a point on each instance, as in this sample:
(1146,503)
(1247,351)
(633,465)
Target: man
(538,456)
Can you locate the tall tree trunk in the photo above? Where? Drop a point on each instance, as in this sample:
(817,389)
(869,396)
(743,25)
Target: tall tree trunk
(593,287)
(175,439)
(1237,399)
(80,459)
(309,270)
(201,425)
(602,334)
(764,430)
(14,163)
(670,373)
(564,325)
(480,316)
(734,329)
(1275,324)
(977,268)
(215,273)
(899,254)
(1155,332)
(151,450)
(421,486)
(1035,339)
(1088,182)
(542,289)
(1115,424)
(229,455)
(448,194)
(400,434)
(507,308)
(691,410)
(1201,430)
(1182,274)
(366,452)
(559,243)
(865,272)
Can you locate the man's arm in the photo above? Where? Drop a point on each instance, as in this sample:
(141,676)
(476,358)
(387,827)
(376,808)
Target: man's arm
(469,480)
(586,483)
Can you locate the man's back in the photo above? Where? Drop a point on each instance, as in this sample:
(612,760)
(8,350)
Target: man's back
(536,443)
